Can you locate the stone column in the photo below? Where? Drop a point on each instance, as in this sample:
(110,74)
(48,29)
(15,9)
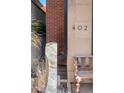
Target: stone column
(51,59)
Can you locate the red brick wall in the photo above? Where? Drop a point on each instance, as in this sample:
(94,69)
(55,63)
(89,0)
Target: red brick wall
(55,22)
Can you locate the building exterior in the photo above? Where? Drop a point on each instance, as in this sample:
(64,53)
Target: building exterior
(79,31)
(37,13)
(69,23)
(79,37)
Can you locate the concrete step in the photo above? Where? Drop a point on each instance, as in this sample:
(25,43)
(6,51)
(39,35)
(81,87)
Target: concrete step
(62,71)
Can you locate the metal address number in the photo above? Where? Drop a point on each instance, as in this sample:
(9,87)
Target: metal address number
(82,28)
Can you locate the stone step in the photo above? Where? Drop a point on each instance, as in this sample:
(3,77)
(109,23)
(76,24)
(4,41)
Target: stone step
(62,71)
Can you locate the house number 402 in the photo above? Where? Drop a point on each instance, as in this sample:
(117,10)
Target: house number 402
(82,28)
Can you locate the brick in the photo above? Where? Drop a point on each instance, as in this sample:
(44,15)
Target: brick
(55,22)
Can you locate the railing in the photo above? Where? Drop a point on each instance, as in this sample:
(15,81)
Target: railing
(83,70)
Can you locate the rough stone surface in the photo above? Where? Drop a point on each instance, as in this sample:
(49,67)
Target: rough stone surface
(51,58)
(38,67)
